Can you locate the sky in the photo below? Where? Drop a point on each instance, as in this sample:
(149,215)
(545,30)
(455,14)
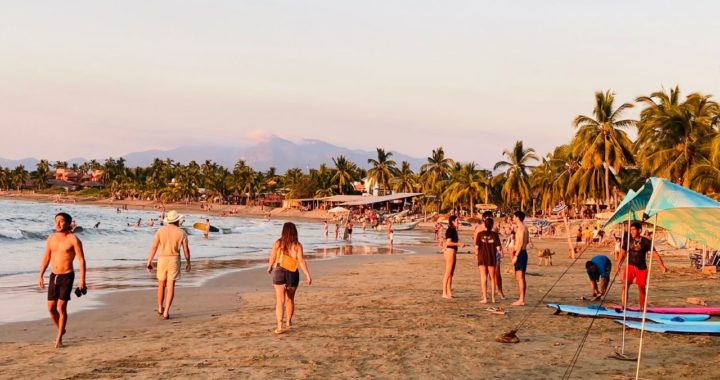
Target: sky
(95,79)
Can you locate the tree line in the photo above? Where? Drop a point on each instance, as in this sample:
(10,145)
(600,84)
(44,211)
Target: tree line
(677,138)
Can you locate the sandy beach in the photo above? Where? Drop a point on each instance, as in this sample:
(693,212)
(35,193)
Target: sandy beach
(363,317)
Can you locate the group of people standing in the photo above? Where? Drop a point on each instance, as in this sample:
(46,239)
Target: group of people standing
(488,251)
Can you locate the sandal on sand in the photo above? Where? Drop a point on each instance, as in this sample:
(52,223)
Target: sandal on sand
(166,317)
(496,310)
(278,331)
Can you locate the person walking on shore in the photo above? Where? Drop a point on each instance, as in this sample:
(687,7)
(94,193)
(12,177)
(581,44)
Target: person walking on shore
(61,249)
(285,258)
(169,239)
(452,243)
(519,255)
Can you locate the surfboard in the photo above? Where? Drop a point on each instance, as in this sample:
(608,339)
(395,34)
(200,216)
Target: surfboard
(201,227)
(676,327)
(602,312)
(711,310)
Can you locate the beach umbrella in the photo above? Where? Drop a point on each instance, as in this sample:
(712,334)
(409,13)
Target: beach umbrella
(678,210)
(685,212)
(338,210)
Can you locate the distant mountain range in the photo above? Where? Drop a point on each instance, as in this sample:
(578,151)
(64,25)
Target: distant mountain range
(274,152)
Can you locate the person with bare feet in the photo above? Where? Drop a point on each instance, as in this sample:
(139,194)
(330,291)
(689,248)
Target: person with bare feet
(519,255)
(285,258)
(452,243)
(637,270)
(169,239)
(487,244)
(61,249)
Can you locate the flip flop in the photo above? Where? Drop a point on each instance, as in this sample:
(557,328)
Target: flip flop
(278,331)
(496,310)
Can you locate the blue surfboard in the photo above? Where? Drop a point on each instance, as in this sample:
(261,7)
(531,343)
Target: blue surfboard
(593,310)
(676,327)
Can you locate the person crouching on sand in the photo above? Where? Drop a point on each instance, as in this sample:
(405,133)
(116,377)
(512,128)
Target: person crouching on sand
(61,249)
(452,243)
(169,239)
(286,281)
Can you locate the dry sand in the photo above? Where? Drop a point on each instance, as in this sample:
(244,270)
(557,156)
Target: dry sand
(363,317)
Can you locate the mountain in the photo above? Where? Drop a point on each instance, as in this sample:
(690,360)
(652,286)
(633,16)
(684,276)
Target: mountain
(29,163)
(273,152)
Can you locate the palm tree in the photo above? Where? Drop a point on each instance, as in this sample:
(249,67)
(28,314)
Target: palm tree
(344,172)
(19,176)
(467,185)
(41,172)
(602,141)
(405,181)
(382,170)
(674,139)
(516,179)
(4,178)
(437,167)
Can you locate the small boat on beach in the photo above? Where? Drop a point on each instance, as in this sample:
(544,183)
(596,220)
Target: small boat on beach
(398,226)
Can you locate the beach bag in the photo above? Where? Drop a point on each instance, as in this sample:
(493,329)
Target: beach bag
(287,262)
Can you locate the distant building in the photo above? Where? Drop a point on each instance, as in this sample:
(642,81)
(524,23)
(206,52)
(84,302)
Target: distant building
(65,174)
(97,175)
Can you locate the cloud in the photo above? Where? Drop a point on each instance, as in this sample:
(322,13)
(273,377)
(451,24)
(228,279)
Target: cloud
(258,135)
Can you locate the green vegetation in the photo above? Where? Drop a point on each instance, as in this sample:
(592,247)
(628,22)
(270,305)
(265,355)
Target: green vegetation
(677,139)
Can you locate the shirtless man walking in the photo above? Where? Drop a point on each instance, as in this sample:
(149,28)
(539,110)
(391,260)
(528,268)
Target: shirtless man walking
(60,251)
(519,255)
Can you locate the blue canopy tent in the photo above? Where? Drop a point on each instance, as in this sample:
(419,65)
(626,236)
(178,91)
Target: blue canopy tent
(674,208)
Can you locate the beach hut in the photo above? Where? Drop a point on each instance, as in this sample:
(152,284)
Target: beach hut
(677,209)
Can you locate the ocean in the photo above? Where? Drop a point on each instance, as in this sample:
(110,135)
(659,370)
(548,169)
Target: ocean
(117,250)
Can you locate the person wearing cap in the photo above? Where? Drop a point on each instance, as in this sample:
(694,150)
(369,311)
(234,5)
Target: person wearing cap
(168,239)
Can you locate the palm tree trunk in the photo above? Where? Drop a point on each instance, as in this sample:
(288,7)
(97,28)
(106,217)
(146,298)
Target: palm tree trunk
(607,174)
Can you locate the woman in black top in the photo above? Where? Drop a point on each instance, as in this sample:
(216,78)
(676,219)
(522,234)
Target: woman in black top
(451,246)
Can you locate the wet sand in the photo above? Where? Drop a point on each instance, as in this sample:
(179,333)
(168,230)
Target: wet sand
(364,316)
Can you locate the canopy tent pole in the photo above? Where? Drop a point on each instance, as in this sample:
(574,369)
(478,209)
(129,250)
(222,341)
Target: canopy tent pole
(647,288)
(626,287)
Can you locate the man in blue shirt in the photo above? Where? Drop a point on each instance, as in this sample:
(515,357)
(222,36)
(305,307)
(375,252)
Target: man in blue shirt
(598,269)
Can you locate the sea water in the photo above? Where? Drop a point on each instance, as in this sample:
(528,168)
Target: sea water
(117,250)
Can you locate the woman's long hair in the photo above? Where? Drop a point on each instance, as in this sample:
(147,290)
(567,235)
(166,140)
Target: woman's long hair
(451,221)
(289,237)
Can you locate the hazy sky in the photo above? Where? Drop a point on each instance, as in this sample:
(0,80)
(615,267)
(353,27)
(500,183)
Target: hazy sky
(99,78)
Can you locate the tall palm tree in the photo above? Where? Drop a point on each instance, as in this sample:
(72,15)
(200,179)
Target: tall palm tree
(468,184)
(406,181)
(19,176)
(601,140)
(344,172)
(41,172)
(382,171)
(516,180)
(674,139)
(435,173)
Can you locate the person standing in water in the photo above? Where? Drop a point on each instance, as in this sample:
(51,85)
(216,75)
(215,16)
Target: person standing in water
(285,281)
(169,239)
(206,229)
(61,250)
